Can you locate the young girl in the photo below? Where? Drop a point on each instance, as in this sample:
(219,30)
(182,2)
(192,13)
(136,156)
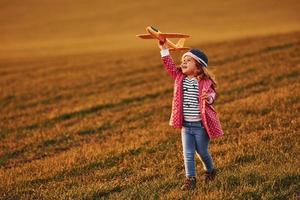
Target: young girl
(192,110)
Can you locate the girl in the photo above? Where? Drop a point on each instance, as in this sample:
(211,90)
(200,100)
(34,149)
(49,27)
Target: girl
(192,110)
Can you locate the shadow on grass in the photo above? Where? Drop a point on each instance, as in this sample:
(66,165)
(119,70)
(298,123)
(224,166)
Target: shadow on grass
(43,149)
(263,85)
(104,88)
(107,192)
(66,141)
(281,188)
(245,159)
(259,52)
(106,163)
(105,126)
(84,112)
(7,100)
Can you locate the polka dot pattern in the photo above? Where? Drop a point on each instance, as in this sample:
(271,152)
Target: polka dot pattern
(209,116)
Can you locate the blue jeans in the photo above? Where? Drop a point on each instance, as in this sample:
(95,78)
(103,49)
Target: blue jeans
(195,138)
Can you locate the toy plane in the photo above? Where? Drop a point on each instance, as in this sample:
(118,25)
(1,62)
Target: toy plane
(163,37)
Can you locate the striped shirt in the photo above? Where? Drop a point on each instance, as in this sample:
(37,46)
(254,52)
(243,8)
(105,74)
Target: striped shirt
(191,111)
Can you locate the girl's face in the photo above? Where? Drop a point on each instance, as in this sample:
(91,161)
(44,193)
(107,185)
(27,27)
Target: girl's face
(188,66)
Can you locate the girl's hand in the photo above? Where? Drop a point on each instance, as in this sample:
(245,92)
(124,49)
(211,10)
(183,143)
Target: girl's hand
(162,44)
(208,99)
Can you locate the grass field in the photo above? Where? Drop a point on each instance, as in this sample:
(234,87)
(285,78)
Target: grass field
(85,105)
(88,126)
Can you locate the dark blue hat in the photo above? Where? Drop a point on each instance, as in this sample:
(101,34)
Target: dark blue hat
(198,55)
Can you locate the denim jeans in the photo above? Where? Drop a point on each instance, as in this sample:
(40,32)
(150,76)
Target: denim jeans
(195,139)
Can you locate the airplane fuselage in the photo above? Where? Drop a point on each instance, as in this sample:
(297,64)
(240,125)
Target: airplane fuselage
(155,33)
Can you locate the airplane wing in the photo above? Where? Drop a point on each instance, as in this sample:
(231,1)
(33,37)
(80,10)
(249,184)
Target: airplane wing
(145,36)
(179,49)
(173,35)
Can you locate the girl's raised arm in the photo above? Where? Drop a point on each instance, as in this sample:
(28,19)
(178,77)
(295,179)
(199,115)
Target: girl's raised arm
(168,62)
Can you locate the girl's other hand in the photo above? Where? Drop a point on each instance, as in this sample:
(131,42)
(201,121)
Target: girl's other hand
(208,99)
(204,95)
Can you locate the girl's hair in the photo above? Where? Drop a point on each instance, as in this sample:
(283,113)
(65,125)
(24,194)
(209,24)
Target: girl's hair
(206,73)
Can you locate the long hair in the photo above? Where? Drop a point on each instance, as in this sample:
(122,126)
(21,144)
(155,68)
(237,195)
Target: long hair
(203,73)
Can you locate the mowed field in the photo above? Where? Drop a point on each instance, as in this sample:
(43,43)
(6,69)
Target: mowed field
(95,126)
(85,105)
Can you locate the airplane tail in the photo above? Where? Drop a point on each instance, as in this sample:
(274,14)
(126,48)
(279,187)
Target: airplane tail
(180,43)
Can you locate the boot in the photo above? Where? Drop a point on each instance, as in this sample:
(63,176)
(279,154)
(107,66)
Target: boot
(189,184)
(210,176)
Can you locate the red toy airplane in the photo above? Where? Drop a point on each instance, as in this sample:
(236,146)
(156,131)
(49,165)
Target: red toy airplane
(162,37)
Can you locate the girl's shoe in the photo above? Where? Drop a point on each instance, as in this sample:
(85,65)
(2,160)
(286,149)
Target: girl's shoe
(189,184)
(210,176)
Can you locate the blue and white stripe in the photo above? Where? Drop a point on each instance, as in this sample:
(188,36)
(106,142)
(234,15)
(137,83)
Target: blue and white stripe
(191,111)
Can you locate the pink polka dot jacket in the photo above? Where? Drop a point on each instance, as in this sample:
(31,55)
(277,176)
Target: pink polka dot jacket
(209,116)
